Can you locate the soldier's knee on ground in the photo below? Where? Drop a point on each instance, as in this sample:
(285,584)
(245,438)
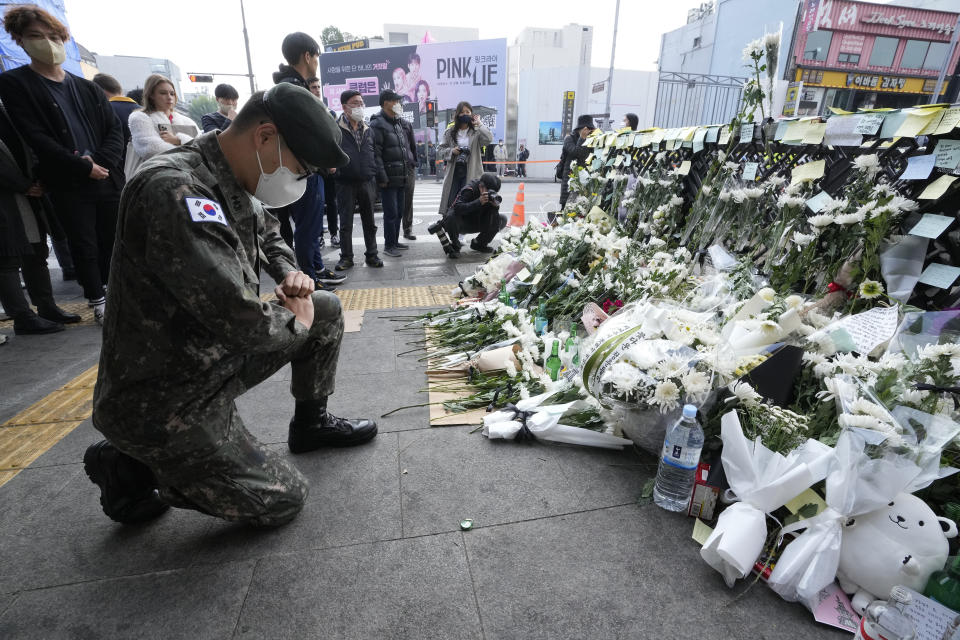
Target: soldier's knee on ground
(326,307)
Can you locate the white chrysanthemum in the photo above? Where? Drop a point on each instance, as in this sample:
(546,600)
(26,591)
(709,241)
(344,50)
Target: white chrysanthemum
(786,200)
(821,220)
(745,394)
(676,201)
(900,204)
(849,218)
(934,351)
(696,382)
(753,192)
(913,396)
(511,329)
(672,368)
(771,40)
(832,206)
(511,368)
(892,360)
(869,164)
(882,191)
(865,422)
(623,376)
(865,407)
(803,239)
(870,289)
(666,395)
(724,195)
(814,358)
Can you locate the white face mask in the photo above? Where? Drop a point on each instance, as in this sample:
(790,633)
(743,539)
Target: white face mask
(356,114)
(279,188)
(45,50)
(397,109)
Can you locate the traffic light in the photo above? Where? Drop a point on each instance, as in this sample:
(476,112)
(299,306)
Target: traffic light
(431,113)
(196,77)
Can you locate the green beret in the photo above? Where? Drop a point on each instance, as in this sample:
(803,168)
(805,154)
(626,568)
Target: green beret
(306,125)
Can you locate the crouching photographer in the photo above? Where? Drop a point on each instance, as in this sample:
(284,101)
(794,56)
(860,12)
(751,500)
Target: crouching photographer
(475,210)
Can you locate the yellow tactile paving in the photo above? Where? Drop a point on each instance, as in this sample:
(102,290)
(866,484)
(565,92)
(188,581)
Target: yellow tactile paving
(80,308)
(30,433)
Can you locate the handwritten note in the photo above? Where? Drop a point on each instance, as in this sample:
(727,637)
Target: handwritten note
(712,133)
(724,135)
(809,171)
(840,132)
(819,201)
(930,618)
(524,274)
(746,133)
(947,154)
(914,123)
(918,167)
(814,133)
(939,275)
(870,328)
(781,129)
(698,139)
(949,121)
(937,188)
(832,606)
(869,123)
(931,225)
(750,171)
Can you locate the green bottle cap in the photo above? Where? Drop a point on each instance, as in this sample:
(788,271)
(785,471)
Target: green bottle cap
(466,524)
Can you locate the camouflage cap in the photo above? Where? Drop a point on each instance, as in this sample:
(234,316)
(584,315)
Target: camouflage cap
(306,125)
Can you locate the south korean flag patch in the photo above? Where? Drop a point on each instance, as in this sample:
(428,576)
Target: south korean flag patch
(203,210)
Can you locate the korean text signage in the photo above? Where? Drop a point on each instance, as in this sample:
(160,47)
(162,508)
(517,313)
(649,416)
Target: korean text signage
(810,18)
(448,72)
(842,15)
(348,46)
(568,99)
(866,81)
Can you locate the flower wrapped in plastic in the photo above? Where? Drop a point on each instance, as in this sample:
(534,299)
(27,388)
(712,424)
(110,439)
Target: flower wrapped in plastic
(762,481)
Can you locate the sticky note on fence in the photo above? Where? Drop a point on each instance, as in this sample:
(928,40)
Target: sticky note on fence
(947,154)
(939,275)
(931,225)
(684,168)
(918,167)
(810,171)
(814,133)
(869,123)
(937,188)
(949,121)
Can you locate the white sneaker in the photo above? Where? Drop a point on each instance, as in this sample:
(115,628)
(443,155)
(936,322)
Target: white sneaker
(98,312)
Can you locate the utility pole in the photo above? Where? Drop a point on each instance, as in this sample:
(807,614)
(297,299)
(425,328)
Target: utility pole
(613,52)
(935,98)
(246,44)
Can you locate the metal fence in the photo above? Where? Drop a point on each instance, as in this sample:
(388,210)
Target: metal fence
(688,99)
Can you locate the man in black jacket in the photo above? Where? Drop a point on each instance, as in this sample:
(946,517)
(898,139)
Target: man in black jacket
(77,139)
(227,97)
(573,149)
(392,155)
(355,182)
(476,210)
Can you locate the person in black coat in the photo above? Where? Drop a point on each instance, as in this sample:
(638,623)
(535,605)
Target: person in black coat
(522,157)
(355,182)
(78,140)
(573,149)
(23,240)
(476,210)
(393,157)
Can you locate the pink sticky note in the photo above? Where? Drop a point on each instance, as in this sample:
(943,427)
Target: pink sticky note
(832,606)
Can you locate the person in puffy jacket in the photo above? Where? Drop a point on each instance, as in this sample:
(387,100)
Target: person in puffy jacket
(393,157)
(475,210)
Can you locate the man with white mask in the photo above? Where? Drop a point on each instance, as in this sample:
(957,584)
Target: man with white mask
(355,182)
(226,97)
(187,332)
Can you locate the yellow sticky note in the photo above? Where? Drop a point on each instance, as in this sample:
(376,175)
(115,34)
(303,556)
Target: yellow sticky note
(814,133)
(933,124)
(701,531)
(688,134)
(657,137)
(937,188)
(795,130)
(809,496)
(914,123)
(840,112)
(950,119)
(684,168)
(810,171)
(644,139)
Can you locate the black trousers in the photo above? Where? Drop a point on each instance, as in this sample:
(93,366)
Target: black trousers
(330,195)
(408,199)
(349,195)
(89,219)
(485,223)
(35,275)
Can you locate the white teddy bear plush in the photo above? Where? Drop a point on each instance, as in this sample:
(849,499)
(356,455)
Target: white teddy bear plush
(901,544)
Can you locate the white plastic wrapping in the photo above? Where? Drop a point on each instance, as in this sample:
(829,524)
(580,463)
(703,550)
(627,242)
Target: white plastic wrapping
(763,481)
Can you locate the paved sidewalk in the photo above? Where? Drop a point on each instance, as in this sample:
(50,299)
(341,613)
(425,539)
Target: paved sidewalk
(560,549)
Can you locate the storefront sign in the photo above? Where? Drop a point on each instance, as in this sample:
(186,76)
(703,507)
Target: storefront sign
(851,43)
(352,45)
(865,81)
(810,19)
(567,118)
(902,22)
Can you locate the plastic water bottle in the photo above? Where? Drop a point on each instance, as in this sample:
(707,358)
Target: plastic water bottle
(678,462)
(887,619)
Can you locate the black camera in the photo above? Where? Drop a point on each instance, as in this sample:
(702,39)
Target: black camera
(464,156)
(435,227)
(495,197)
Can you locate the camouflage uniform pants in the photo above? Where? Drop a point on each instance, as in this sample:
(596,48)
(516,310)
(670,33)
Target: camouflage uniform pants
(209,462)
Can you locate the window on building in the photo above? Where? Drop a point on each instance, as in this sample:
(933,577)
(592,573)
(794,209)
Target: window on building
(398,38)
(696,42)
(883,51)
(818,44)
(851,58)
(914,53)
(936,55)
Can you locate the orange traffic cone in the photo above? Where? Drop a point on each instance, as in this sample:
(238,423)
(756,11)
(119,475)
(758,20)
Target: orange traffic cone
(518,219)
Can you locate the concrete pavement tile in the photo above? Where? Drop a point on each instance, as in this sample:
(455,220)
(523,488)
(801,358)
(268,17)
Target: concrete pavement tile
(452,474)
(70,539)
(5,602)
(29,491)
(266,410)
(354,497)
(70,449)
(604,477)
(416,588)
(408,361)
(361,355)
(196,603)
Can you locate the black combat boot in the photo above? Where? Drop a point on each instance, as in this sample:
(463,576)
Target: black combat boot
(313,427)
(128,489)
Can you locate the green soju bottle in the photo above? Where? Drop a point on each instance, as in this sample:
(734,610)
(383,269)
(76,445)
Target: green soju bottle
(572,349)
(504,296)
(540,320)
(553,364)
(944,585)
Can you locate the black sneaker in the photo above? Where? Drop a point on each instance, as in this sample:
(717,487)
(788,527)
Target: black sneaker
(319,286)
(482,248)
(56,314)
(330,431)
(409,235)
(128,489)
(329,277)
(335,241)
(392,252)
(401,246)
(344,264)
(35,325)
(374,262)
(453,255)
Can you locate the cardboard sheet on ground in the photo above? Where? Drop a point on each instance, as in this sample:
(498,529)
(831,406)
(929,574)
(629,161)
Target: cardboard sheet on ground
(352,321)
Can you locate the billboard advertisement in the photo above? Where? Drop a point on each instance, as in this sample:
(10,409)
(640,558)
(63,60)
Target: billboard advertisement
(448,72)
(551,133)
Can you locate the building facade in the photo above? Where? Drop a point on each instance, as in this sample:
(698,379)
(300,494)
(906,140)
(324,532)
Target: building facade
(133,71)
(852,55)
(401,34)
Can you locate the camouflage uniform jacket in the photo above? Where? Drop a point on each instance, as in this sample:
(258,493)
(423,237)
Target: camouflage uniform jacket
(184,308)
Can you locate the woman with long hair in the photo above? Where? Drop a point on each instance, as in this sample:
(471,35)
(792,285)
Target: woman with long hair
(460,147)
(158,127)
